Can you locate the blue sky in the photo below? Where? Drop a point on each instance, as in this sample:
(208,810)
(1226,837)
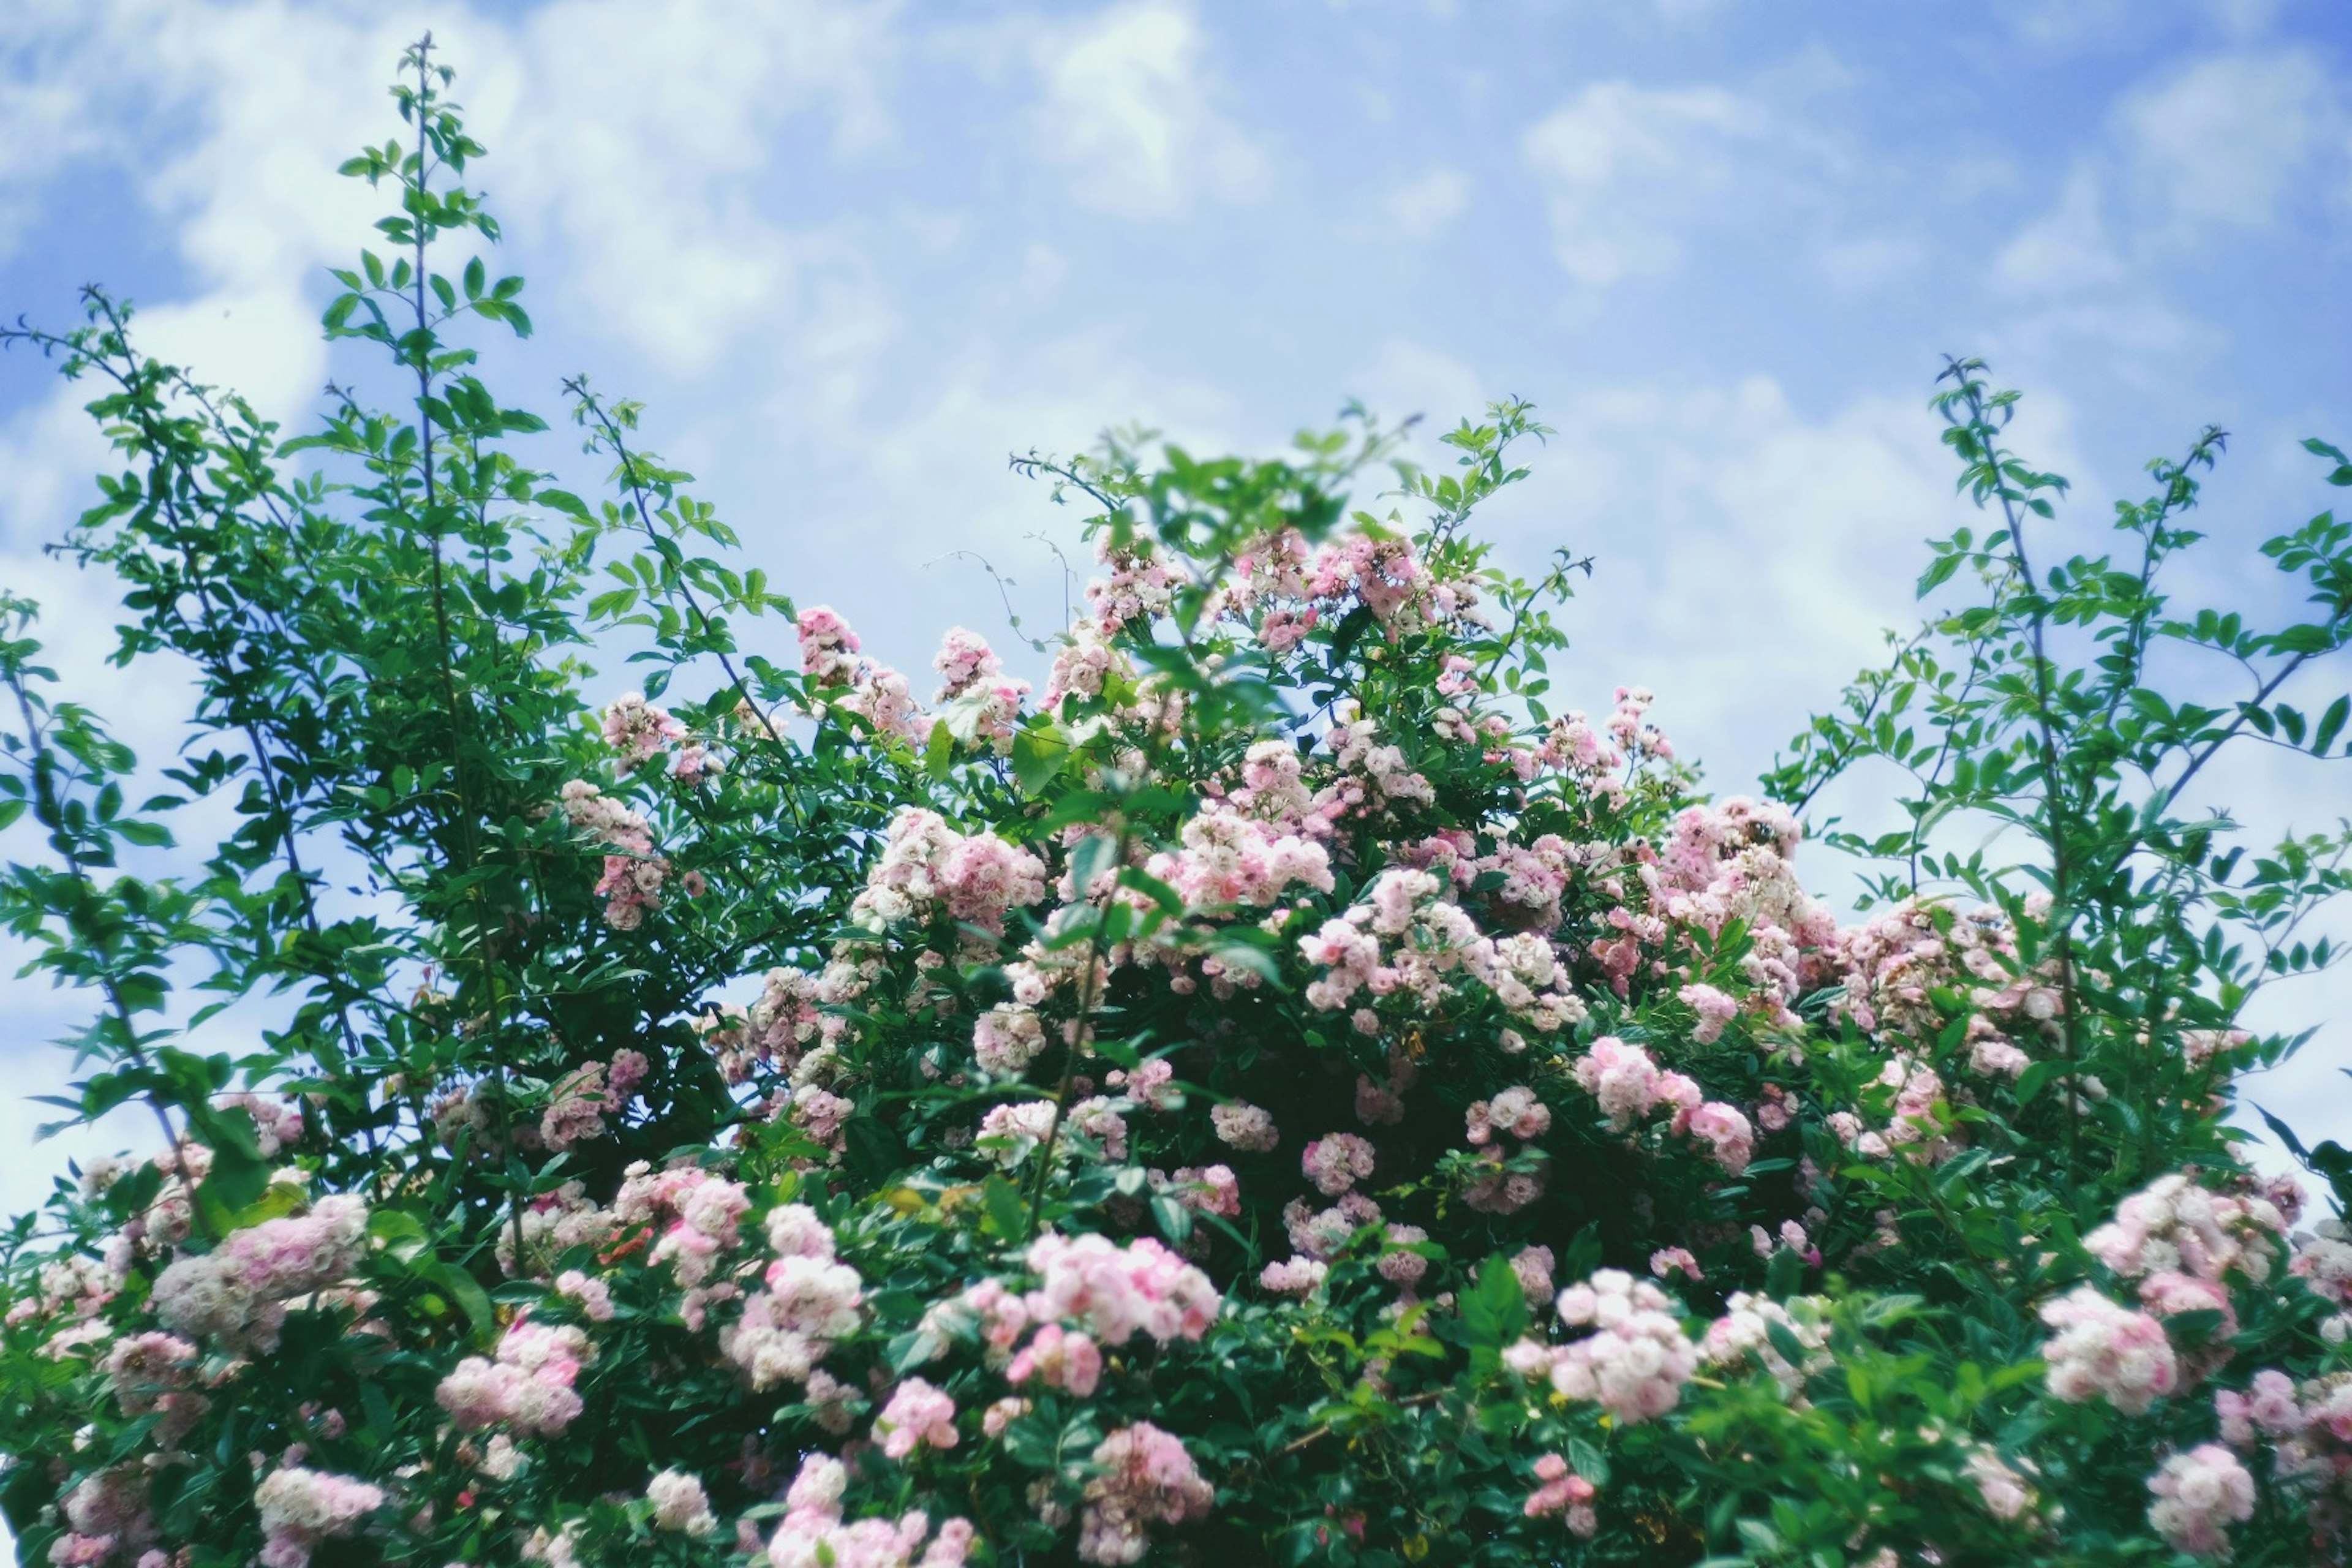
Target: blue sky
(852,255)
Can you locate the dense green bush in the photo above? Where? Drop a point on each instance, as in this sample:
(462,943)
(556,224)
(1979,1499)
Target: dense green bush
(1292,1090)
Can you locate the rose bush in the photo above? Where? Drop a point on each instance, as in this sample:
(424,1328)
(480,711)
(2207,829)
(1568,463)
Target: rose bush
(1290,1089)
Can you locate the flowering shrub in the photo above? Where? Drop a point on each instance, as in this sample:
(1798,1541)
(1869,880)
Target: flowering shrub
(1292,1090)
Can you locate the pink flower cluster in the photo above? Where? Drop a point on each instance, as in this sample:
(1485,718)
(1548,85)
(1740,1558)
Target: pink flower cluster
(1565,1493)
(1322,1234)
(1636,1361)
(810,1301)
(1627,1083)
(634,875)
(576,1110)
(639,729)
(828,647)
(154,1372)
(698,1215)
(1006,1038)
(680,1504)
(1716,1010)
(982,703)
(1226,859)
(1244,1126)
(1145,1477)
(814,1535)
(1059,1359)
(918,1415)
(1744,1334)
(104,1512)
(2103,1351)
(2198,1495)
(1117,1291)
(238,1293)
(2310,1430)
(529,1387)
(299,1508)
(1515,1110)
(926,866)
(1628,1086)
(2173,1226)
(1294,1275)
(1336,1162)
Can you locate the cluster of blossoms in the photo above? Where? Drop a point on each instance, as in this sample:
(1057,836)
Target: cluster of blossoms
(638,731)
(1634,1362)
(2198,1495)
(918,1415)
(2309,1428)
(529,1387)
(1890,966)
(239,1292)
(809,1301)
(1336,1162)
(300,1509)
(926,867)
(1625,1081)
(106,1515)
(276,1119)
(1146,1477)
(1565,1493)
(634,875)
(1115,1291)
(1745,1333)
(814,1535)
(979,704)
(2101,1351)
(2173,1226)
(680,1504)
(838,678)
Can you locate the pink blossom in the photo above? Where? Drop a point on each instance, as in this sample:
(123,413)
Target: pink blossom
(1061,1359)
(680,1504)
(1716,1010)
(1336,1162)
(1673,1259)
(1636,1360)
(2103,1351)
(1244,1127)
(1119,1291)
(1516,1111)
(1732,1141)
(1623,1077)
(299,1508)
(1145,1477)
(918,1414)
(1293,1276)
(2198,1495)
(638,729)
(1564,1492)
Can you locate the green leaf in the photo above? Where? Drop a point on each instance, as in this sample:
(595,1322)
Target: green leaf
(1494,1311)
(1039,752)
(874,1148)
(461,1291)
(2331,724)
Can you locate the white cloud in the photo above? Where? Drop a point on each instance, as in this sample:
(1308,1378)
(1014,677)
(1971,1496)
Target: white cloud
(1129,112)
(639,143)
(1748,556)
(1625,168)
(1407,379)
(1420,208)
(2230,140)
(2067,248)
